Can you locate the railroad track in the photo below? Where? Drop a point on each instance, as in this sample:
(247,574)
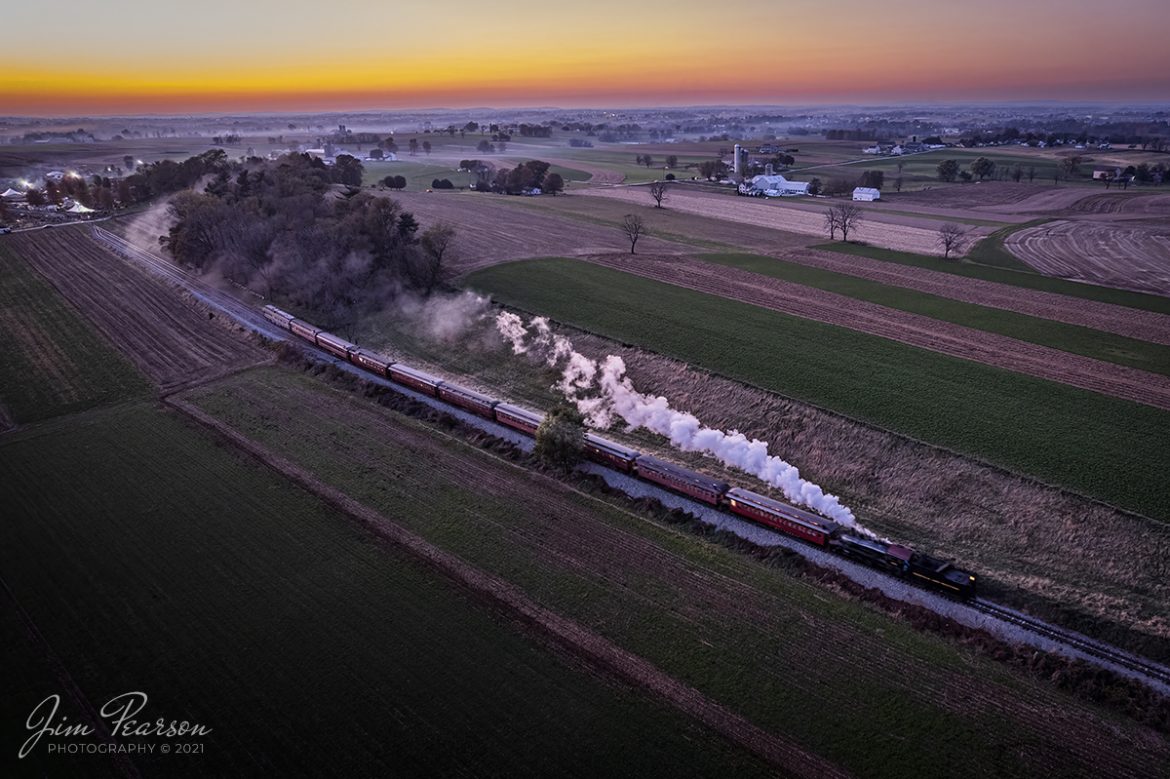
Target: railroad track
(246,314)
(238,309)
(1082,644)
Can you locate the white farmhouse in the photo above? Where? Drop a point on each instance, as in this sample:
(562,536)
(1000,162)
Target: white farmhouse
(866,193)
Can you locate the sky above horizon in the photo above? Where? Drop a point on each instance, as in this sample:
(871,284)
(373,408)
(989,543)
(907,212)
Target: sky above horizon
(160,56)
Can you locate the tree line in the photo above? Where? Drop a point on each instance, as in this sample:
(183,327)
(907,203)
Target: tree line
(282,229)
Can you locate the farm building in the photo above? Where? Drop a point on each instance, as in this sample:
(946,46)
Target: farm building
(866,193)
(775,186)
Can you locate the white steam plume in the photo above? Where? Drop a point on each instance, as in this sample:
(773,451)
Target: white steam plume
(603,391)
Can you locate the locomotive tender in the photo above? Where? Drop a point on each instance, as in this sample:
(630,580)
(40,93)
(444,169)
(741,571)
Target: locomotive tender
(894,559)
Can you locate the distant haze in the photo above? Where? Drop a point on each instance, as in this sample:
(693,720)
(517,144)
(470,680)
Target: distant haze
(124,56)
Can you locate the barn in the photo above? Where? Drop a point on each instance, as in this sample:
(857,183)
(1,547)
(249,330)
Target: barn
(776,185)
(866,193)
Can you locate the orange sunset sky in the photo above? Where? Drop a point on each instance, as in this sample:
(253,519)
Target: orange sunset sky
(122,56)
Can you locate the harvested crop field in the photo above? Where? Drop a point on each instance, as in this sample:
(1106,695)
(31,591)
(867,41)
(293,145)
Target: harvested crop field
(52,362)
(1098,445)
(170,339)
(1119,254)
(921,331)
(890,231)
(786,654)
(490,230)
(232,597)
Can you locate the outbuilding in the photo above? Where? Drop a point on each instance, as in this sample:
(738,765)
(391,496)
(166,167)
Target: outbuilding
(867,194)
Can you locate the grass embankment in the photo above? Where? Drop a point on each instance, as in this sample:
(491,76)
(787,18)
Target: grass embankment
(52,362)
(991,250)
(1111,449)
(795,659)
(1057,335)
(165,564)
(1118,297)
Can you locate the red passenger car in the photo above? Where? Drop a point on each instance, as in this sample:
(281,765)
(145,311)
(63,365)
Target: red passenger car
(781,516)
(518,418)
(475,402)
(414,378)
(679,479)
(608,453)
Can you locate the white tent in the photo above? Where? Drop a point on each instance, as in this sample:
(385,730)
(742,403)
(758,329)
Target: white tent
(11,194)
(79,209)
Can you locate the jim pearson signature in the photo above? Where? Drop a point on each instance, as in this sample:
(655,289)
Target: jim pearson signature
(120,712)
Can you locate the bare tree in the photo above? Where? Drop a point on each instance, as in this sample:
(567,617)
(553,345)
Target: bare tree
(849,217)
(633,227)
(435,242)
(831,223)
(658,192)
(951,238)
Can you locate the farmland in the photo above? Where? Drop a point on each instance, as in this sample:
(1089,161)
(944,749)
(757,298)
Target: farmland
(171,342)
(701,613)
(890,232)
(1031,281)
(1103,447)
(52,363)
(1077,339)
(1129,255)
(1083,564)
(234,599)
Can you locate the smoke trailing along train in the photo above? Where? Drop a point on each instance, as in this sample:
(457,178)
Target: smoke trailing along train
(895,559)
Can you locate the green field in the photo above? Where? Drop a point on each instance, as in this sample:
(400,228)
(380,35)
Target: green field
(1118,297)
(418,171)
(1099,446)
(792,657)
(165,564)
(52,361)
(1057,335)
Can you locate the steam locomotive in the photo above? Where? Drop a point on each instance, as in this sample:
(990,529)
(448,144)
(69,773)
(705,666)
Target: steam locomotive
(894,559)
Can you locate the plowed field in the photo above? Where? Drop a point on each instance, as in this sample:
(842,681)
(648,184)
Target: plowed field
(1119,254)
(170,340)
(489,230)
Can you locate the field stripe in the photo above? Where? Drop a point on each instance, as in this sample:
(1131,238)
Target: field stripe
(571,634)
(980,346)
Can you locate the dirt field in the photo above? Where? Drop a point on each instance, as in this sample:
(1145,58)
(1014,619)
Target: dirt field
(970,195)
(488,231)
(1128,255)
(753,638)
(1130,204)
(892,231)
(920,331)
(171,341)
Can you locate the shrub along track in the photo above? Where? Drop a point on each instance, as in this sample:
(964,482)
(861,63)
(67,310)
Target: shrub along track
(913,329)
(696,618)
(172,341)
